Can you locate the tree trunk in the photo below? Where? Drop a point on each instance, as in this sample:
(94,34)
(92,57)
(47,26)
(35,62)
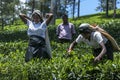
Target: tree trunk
(73,8)
(2,22)
(101,5)
(53,10)
(13,17)
(78,8)
(65,4)
(114,4)
(33,5)
(107,6)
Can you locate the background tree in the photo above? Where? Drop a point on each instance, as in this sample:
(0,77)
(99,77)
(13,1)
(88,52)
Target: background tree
(53,10)
(1,14)
(105,5)
(73,8)
(78,8)
(114,4)
(102,4)
(42,5)
(7,9)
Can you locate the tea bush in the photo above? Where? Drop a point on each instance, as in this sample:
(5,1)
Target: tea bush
(78,66)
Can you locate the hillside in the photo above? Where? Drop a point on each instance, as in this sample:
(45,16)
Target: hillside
(98,18)
(78,66)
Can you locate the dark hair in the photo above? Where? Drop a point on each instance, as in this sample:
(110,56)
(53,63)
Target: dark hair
(64,15)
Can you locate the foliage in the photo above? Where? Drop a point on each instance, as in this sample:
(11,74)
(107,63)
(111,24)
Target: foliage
(77,66)
(102,5)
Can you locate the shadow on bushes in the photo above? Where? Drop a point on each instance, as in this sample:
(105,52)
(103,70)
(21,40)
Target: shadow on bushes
(13,36)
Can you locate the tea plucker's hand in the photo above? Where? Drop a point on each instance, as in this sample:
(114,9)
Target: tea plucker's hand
(98,58)
(71,46)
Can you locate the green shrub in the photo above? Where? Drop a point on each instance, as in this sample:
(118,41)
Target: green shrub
(78,66)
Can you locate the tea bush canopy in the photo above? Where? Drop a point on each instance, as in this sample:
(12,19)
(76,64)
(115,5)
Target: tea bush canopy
(79,66)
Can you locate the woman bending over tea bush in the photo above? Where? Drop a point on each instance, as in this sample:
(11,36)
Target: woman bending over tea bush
(102,43)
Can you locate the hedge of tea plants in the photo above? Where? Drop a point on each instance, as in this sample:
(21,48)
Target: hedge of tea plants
(77,66)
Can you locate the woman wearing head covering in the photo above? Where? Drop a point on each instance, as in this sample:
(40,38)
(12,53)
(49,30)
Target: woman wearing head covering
(102,43)
(37,33)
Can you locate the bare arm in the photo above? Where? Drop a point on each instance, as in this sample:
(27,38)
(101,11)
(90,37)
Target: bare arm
(49,18)
(101,53)
(24,18)
(71,46)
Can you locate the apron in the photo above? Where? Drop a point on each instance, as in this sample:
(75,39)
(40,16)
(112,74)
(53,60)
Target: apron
(36,48)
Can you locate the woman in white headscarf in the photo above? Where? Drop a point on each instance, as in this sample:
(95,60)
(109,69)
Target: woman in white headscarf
(102,43)
(39,45)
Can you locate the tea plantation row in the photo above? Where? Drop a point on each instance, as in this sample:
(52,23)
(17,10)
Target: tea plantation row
(78,66)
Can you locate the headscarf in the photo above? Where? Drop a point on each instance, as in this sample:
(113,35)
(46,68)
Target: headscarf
(38,13)
(84,28)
